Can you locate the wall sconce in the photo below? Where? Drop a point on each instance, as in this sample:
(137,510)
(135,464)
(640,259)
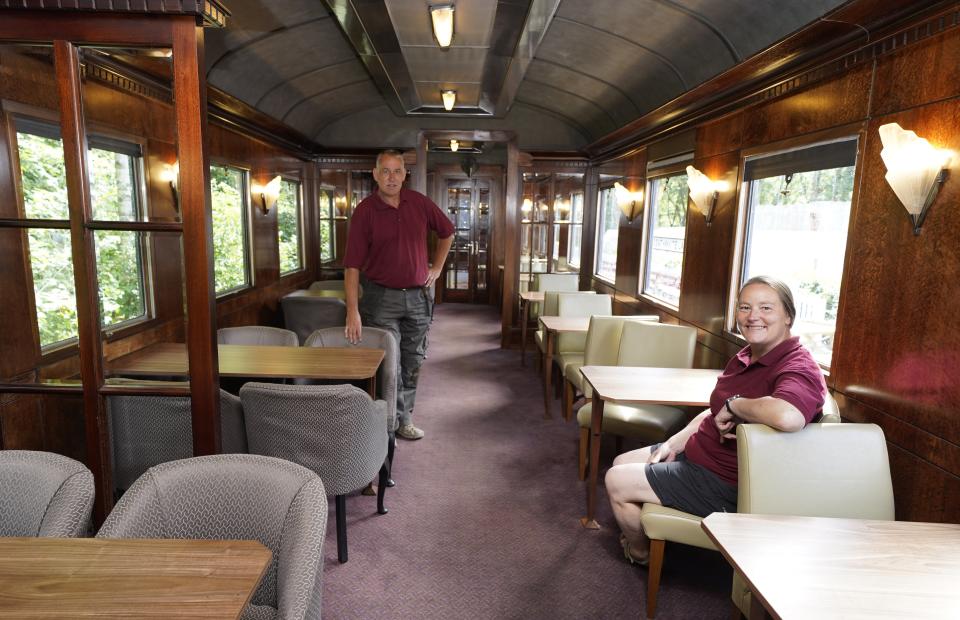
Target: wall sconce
(340,204)
(454,145)
(525,209)
(630,203)
(704,192)
(915,170)
(449,99)
(442,17)
(267,194)
(562,207)
(170,173)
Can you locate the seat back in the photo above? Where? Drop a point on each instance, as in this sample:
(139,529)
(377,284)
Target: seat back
(644,343)
(237,497)
(337,431)
(824,470)
(830,414)
(372,338)
(257,335)
(327,285)
(602,346)
(149,430)
(44,494)
(567,282)
(304,315)
(551,302)
(578,305)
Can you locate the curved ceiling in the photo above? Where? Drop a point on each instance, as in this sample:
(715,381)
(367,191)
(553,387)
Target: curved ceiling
(560,73)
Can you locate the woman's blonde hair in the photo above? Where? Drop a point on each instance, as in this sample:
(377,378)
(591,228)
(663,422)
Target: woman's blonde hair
(782,290)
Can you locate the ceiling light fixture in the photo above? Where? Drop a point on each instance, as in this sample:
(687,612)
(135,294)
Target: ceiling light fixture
(449,99)
(442,17)
(454,145)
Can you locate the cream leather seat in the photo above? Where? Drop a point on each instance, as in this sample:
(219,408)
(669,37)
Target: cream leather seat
(569,347)
(559,282)
(643,343)
(602,348)
(551,303)
(825,470)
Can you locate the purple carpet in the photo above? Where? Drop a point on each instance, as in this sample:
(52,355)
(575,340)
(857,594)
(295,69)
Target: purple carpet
(483,522)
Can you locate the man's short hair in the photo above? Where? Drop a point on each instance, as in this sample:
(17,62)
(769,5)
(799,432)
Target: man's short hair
(388,153)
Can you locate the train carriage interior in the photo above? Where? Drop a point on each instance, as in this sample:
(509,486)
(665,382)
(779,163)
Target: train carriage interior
(180,182)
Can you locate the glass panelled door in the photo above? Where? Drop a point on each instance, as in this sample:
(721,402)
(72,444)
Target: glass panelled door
(467,269)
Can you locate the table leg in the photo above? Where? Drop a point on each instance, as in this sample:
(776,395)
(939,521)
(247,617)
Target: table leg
(757,610)
(524,319)
(372,387)
(547,373)
(593,465)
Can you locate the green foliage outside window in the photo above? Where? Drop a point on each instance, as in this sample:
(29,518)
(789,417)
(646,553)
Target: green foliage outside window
(288,226)
(229,228)
(326,226)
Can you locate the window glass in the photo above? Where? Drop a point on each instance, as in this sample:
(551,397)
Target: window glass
(666,226)
(326,226)
(796,231)
(288,226)
(576,230)
(230,251)
(608,230)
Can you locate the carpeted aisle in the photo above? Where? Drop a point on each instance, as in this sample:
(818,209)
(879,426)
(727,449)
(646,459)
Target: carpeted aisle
(483,520)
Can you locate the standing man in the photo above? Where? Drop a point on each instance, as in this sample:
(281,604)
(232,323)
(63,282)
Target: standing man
(388,243)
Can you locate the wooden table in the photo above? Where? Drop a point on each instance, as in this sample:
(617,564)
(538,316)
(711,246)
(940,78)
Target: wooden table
(257,361)
(526,298)
(811,567)
(335,293)
(98,577)
(553,325)
(637,386)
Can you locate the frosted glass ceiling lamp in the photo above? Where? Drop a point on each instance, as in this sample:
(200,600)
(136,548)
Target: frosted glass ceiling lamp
(454,145)
(442,17)
(704,192)
(630,203)
(267,194)
(449,99)
(915,170)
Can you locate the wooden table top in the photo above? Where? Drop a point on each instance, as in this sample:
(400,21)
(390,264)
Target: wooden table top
(99,577)
(630,385)
(531,296)
(566,324)
(169,358)
(810,567)
(328,292)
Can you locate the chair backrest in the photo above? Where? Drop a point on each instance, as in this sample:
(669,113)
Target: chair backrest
(831,410)
(237,497)
(824,470)
(371,338)
(327,285)
(551,301)
(44,494)
(644,343)
(149,430)
(556,282)
(602,347)
(336,431)
(577,305)
(257,334)
(304,315)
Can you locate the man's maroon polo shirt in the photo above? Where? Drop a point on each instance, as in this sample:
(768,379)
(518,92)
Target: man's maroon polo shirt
(787,372)
(389,245)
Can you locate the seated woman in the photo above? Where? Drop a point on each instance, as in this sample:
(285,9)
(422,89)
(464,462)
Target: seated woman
(772,381)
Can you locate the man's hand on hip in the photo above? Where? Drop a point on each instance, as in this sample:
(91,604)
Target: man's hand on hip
(353,328)
(432,275)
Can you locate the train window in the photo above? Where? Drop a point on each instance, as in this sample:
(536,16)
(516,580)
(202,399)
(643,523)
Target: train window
(231,251)
(289,227)
(608,229)
(665,227)
(117,194)
(797,211)
(576,230)
(326,226)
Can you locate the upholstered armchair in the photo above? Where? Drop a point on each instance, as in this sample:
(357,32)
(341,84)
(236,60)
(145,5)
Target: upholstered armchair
(551,303)
(825,470)
(149,430)
(643,343)
(44,494)
(303,314)
(238,497)
(558,282)
(337,431)
(257,335)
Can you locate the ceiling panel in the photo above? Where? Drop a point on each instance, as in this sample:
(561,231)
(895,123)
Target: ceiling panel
(453,65)
(472,20)
(467,94)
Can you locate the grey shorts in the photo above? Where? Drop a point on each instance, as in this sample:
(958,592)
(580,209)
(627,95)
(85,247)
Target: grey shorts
(689,487)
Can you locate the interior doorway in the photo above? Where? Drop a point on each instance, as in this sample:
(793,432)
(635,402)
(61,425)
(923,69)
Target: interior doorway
(467,202)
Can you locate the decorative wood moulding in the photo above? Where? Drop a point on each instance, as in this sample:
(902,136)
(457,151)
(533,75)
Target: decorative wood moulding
(210,13)
(740,87)
(106,72)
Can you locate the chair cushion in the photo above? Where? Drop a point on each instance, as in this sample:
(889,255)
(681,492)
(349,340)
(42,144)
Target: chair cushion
(662,523)
(258,612)
(651,423)
(570,359)
(571,373)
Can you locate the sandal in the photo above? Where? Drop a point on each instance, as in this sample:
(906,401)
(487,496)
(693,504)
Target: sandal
(626,553)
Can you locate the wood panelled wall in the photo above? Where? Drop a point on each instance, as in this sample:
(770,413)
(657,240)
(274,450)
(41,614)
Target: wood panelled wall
(56,423)
(897,353)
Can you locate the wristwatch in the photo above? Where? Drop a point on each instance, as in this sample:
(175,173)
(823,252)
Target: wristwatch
(730,400)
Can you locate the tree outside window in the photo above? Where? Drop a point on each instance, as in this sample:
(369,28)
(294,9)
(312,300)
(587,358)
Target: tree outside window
(288,227)
(665,232)
(230,252)
(608,231)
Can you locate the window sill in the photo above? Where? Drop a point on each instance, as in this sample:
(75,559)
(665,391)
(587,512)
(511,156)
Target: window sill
(659,303)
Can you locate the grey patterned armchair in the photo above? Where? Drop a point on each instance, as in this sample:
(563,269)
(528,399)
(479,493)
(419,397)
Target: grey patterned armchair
(238,497)
(44,494)
(303,314)
(337,431)
(149,430)
(257,334)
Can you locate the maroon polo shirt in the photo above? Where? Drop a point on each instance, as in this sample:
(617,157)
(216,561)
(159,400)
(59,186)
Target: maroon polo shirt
(389,245)
(787,372)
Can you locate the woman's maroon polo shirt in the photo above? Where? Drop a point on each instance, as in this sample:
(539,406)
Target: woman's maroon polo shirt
(787,372)
(389,245)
